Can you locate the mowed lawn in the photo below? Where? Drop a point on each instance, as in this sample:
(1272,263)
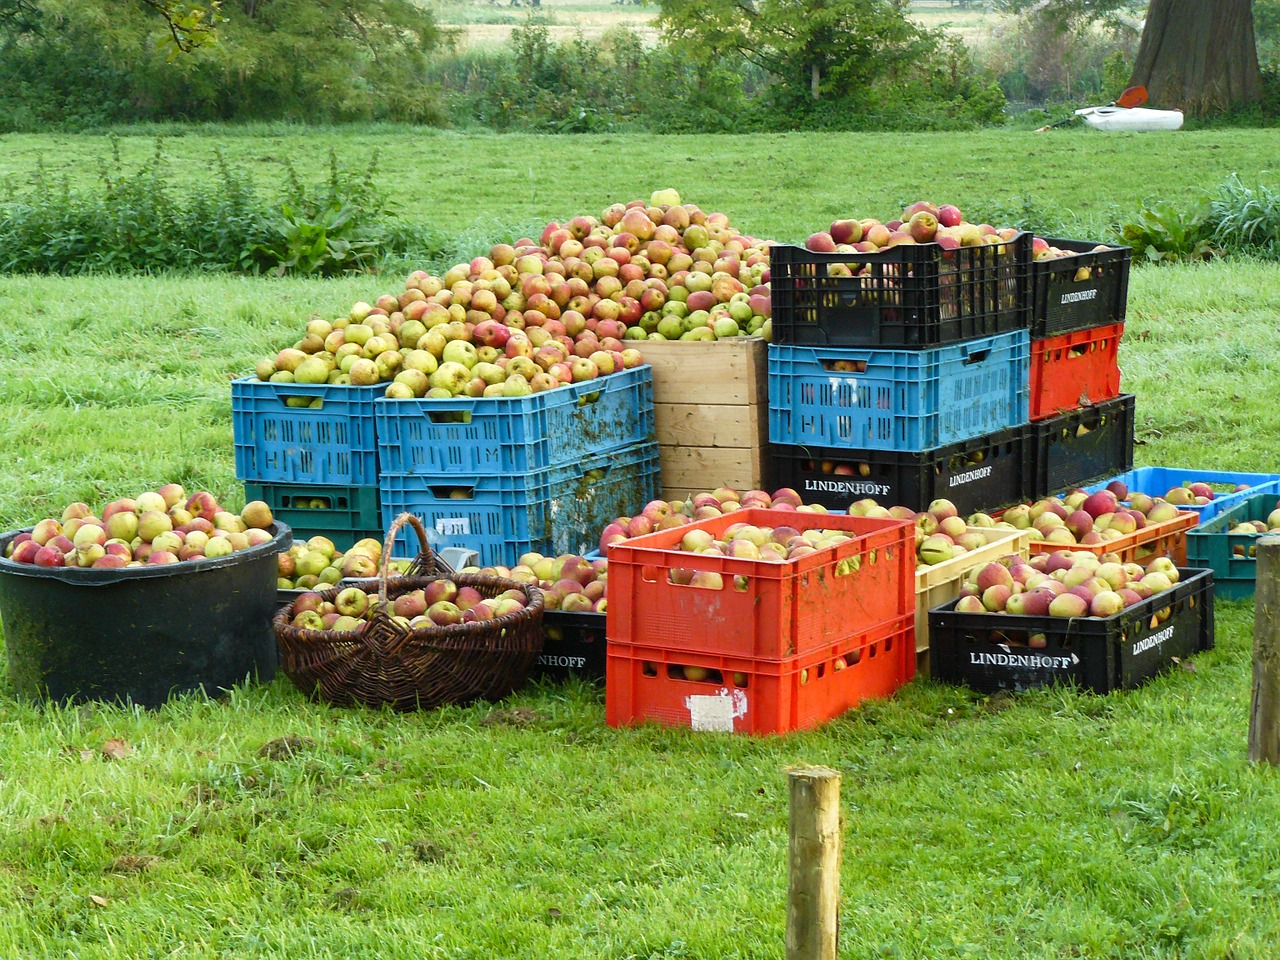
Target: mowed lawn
(1051,824)
(778,186)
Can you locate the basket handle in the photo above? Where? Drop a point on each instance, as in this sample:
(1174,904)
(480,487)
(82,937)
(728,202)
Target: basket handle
(385,564)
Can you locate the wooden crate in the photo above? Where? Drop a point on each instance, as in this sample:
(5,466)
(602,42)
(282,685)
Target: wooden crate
(711,407)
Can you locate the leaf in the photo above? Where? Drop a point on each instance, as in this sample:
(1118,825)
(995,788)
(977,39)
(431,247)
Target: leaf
(98,901)
(116,749)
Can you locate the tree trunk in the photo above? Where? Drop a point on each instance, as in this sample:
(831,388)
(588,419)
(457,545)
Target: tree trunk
(1199,56)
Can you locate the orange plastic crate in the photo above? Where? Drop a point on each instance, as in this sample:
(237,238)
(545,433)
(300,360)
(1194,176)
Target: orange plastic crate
(767,611)
(1075,370)
(744,695)
(1167,539)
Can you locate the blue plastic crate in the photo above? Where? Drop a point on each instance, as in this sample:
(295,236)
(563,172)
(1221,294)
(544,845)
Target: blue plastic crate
(500,516)
(901,400)
(276,442)
(516,434)
(1157,481)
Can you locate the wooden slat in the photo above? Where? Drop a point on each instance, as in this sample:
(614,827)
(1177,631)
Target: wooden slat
(733,371)
(701,425)
(705,468)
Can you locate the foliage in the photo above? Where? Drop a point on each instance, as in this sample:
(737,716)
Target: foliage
(341,60)
(1051,53)
(1266,27)
(1237,220)
(843,50)
(190,27)
(323,232)
(1245,219)
(1163,231)
(144,220)
(581,86)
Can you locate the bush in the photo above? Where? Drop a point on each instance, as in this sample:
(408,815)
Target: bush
(581,86)
(140,221)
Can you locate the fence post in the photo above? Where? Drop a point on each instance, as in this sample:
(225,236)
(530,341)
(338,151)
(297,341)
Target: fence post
(813,887)
(1264,709)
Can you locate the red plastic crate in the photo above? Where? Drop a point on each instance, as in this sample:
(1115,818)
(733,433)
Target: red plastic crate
(744,695)
(1075,370)
(767,611)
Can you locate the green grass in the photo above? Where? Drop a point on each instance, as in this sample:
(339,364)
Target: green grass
(780,186)
(1053,824)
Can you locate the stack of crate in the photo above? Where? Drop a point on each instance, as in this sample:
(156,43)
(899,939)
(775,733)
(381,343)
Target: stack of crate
(1081,425)
(499,475)
(903,376)
(310,451)
(505,476)
(734,644)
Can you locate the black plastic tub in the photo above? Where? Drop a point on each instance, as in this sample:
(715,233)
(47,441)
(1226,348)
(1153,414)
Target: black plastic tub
(140,634)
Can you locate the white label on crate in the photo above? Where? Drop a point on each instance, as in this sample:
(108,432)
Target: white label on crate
(1155,640)
(454,527)
(716,712)
(1034,661)
(857,487)
(1078,295)
(969,475)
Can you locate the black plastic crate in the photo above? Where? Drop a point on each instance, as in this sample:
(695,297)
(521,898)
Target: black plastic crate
(573,646)
(990,651)
(981,474)
(908,296)
(1081,446)
(1078,292)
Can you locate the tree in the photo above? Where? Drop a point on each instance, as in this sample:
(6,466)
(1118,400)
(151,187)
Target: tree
(816,48)
(96,61)
(187,27)
(1199,55)
(190,27)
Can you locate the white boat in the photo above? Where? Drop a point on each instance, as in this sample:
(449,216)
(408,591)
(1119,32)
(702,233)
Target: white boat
(1130,118)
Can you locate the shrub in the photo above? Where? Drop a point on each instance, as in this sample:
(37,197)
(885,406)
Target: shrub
(140,221)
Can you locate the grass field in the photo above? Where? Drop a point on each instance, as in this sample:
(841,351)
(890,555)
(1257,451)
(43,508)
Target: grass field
(1048,825)
(780,186)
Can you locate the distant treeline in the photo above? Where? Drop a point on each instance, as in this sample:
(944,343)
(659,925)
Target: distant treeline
(95,63)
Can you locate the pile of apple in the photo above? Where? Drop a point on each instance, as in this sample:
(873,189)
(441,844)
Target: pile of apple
(1065,583)
(1087,519)
(440,603)
(745,541)
(1259,527)
(923,222)
(318,563)
(666,514)
(941,533)
(533,316)
(1254,528)
(155,527)
(568,582)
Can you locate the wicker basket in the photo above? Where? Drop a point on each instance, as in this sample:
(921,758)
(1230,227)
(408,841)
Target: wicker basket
(385,664)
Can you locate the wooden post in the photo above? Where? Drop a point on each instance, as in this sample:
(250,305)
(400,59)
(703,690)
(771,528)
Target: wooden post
(813,889)
(1264,710)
